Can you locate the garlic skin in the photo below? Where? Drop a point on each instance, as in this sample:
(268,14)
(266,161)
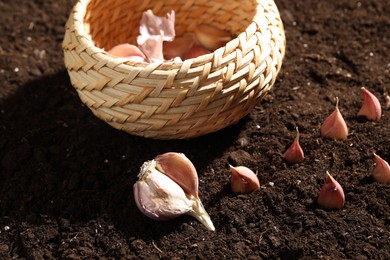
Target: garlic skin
(371,108)
(243,180)
(334,126)
(154,30)
(331,195)
(160,198)
(294,153)
(381,171)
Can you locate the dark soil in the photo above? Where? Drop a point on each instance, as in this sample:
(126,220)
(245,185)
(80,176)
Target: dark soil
(66,177)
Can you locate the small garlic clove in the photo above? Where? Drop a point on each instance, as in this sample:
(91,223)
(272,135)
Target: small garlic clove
(194,52)
(294,153)
(334,125)
(181,170)
(210,37)
(160,198)
(371,108)
(331,195)
(381,171)
(128,51)
(243,180)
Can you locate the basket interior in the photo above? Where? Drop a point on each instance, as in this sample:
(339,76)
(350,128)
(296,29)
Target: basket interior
(112,22)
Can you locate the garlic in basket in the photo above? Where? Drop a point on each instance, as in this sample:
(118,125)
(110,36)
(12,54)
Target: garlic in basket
(210,37)
(153,31)
(178,47)
(167,188)
(129,51)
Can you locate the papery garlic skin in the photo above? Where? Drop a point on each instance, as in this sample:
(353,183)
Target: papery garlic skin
(160,198)
(371,108)
(243,180)
(294,153)
(381,171)
(154,30)
(331,195)
(334,126)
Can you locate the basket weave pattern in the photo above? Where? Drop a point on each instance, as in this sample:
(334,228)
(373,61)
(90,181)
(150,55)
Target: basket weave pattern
(173,100)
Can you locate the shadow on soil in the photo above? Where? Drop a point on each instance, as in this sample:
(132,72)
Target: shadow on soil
(60,161)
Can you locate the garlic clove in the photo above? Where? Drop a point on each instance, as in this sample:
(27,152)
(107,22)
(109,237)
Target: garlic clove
(294,153)
(334,125)
(243,180)
(178,47)
(181,170)
(158,197)
(371,108)
(194,52)
(331,195)
(210,37)
(128,51)
(381,171)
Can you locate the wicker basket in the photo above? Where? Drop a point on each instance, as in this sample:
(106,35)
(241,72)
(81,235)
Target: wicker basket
(173,100)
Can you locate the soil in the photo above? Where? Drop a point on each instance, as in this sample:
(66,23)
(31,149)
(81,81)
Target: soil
(66,177)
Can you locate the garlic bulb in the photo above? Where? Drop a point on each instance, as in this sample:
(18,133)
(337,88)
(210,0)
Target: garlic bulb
(159,197)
